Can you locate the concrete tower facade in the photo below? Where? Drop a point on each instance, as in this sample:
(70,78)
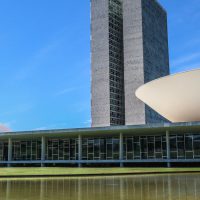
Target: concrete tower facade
(129,47)
(107,63)
(145,54)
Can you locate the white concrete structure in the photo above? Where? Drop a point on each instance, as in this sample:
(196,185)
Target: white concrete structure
(175,97)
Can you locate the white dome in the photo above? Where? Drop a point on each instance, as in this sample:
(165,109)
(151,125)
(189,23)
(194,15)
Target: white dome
(175,97)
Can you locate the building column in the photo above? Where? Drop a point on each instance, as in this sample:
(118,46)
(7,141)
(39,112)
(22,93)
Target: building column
(9,151)
(43,150)
(121,150)
(79,150)
(168,148)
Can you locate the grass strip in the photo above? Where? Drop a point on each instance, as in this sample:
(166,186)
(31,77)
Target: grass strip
(64,171)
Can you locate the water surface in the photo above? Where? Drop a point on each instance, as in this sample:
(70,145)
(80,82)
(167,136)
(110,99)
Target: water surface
(147,187)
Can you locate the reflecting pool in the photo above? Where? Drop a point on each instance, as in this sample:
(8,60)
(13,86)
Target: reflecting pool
(146,187)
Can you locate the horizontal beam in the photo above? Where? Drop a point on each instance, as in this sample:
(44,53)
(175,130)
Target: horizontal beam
(101,161)
(127,129)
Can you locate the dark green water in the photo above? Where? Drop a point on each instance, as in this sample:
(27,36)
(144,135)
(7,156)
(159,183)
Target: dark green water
(153,187)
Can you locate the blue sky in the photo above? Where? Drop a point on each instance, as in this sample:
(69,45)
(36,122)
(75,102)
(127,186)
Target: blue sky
(45,59)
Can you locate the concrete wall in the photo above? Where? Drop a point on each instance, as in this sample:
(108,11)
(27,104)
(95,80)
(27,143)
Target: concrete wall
(145,55)
(133,61)
(100,105)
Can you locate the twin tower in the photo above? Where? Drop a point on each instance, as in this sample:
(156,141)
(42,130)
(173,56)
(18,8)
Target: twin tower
(129,47)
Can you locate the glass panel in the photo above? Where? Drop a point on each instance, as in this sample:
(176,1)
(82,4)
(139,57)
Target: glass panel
(196,149)
(137,150)
(188,143)
(151,152)
(129,145)
(189,155)
(109,151)
(196,137)
(173,155)
(173,145)
(143,141)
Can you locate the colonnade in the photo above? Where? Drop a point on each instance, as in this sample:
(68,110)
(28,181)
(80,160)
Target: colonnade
(80,161)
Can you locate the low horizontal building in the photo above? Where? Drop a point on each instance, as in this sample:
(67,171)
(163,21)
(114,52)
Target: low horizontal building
(116,145)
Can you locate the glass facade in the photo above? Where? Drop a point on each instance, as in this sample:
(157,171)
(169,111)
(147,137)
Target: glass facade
(3,151)
(62,149)
(100,148)
(185,146)
(26,150)
(116,63)
(145,147)
(151,147)
(182,146)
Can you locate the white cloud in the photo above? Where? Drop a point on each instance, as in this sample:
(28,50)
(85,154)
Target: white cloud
(191,43)
(185,68)
(20,108)
(37,59)
(88,122)
(4,127)
(67,90)
(185,59)
(60,125)
(40,128)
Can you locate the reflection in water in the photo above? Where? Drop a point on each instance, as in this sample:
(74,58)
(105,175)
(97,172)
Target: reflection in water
(154,187)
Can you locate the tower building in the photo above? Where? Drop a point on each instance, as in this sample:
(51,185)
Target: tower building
(129,47)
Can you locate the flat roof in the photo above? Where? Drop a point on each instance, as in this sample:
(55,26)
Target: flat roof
(145,129)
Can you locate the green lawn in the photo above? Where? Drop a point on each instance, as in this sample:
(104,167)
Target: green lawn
(53,171)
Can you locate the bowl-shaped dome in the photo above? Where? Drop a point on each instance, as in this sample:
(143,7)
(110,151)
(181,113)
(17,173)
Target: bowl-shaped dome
(175,97)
